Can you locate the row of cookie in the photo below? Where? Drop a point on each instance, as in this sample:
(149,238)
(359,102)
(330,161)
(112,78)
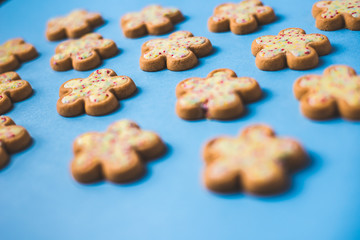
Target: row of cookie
(291,47)
(221,95)
(241,18)
(256,161)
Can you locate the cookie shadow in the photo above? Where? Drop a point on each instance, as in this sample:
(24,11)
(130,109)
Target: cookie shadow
(177,25)
(146,175)
(264,27)
(202,60)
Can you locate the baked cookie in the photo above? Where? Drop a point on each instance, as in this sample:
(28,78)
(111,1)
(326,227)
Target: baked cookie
(15,51)
(74,25)
(13,138)
(96,95)
(241,18)
(219,96)
(83,54)
(256,161)
(333,15)
(117,155)
(292,47)
(153,20)
(325,96)
(12,89)
(179,52)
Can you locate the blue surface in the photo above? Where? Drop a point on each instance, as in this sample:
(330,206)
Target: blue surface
(40,200)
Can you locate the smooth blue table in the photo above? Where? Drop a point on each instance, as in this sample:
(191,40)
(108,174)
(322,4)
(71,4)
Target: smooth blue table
(40,200)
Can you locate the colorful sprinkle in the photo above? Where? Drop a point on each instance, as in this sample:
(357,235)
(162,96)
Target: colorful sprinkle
(290,40)
(176,46)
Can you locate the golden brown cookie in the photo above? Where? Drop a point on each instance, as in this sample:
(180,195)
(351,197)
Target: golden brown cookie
(153,20)
(96,95)
(74,25)
(83,54)
(13,138)
(179,52)
(12,89)
(118,155)
(240,18)
(334,15)
(292,47)
(325,96)
(15,51)
(221,95)
(256,161)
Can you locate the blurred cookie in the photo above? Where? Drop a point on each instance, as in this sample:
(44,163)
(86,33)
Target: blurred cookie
(153,20)
(337,92)
(257,161)
(74,25)
(118,155)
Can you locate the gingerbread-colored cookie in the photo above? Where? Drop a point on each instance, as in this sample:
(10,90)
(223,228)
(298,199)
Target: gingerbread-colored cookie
(333,15)
(153,20)
(96,95)
(76,24)
(221,95)
(13,138)
(256,161)
(241,18)
(118,155)
(15,51)
(179,52)
(292,47)
(325,96)
(83,54)
(12,89)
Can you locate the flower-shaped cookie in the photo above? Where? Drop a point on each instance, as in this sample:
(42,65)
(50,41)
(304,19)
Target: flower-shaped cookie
(12,88)
(74,25)
(220,95)
(256,161)
(292,47)
(83,54)
(13,138)
(335,92)
(15,51)
(179,52)
(333,15)
(117,155)
(241,18)
(95,95)
(153,19)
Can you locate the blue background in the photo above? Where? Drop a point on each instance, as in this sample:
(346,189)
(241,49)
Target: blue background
(40,200)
